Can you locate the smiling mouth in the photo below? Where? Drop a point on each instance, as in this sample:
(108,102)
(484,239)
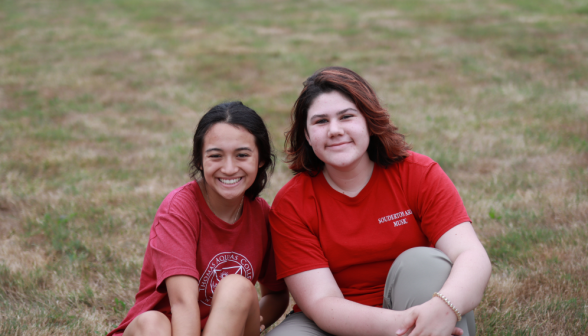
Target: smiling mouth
(230,181)
(338,144)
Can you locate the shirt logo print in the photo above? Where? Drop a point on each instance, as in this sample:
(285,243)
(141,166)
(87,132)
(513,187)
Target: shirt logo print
(220,266)
(397,215)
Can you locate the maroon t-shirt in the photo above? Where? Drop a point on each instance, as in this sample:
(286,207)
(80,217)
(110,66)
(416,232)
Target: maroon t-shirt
(411,203)
(187,238)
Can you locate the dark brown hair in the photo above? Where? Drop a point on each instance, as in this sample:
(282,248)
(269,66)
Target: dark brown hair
(386,144)
(236,114)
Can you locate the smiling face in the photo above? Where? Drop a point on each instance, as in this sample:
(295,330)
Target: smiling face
(337,131)
(230,160)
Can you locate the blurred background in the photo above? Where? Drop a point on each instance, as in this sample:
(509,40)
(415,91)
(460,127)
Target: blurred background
(99,100)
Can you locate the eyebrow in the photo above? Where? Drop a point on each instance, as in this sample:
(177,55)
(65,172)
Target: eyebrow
(316,116)
(220,150)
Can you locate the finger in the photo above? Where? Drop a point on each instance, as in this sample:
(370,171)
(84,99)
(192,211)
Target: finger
(261,328)
(408,323)
(417,329)
(405,331)
(457,331)
(415,332)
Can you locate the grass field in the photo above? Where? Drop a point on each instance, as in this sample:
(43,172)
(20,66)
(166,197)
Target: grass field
(99,99)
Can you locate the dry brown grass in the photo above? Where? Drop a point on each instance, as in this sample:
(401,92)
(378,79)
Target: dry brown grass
(99,99)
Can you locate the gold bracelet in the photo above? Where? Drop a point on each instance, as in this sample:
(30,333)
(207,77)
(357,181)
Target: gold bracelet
(442,297)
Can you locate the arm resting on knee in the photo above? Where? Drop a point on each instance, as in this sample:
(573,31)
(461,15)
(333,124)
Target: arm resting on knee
(471,267)
(183,298)
(321,300)
(463,288)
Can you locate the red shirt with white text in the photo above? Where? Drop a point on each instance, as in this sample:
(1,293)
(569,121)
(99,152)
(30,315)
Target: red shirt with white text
(187,238)
(411,203)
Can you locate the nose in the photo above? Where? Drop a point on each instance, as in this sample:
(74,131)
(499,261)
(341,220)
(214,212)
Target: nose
(229,166)
(334,129)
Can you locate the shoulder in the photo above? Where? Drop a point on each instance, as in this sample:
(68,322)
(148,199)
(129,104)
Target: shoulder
(413,173)
(416,159)
(414,165)
(180,198)
(178,211)
(300,184)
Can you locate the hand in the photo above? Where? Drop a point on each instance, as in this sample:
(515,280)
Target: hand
(432,318)
(261,326)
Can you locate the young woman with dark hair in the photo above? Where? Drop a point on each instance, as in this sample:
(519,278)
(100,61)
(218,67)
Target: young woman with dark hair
(210,240)
(367,224)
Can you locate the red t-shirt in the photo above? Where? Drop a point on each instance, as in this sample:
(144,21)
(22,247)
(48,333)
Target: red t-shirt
(412,203)
(187,238)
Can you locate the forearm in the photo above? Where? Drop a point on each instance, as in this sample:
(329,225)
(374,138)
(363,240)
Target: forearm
(186,319)
(272,306)
(339,316)
(468,279)
(321,300)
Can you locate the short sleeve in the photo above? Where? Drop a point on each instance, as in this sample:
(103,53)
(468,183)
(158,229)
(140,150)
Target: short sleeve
(437,202)
(174,240)
(297,248)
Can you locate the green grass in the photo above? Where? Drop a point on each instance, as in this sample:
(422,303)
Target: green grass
(99,99)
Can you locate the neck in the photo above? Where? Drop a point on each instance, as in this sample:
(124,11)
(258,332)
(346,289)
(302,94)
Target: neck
(351,180)
(227,210)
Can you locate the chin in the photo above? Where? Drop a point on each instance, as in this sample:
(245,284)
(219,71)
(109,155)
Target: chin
(231,196)
(339,165)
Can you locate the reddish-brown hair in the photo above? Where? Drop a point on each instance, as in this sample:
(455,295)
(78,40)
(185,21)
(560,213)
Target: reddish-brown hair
(386,144)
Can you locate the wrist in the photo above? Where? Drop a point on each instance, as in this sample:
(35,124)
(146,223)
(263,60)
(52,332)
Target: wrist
(393,321)
(449,304)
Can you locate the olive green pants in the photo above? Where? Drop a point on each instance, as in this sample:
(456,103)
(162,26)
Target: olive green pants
(413,278)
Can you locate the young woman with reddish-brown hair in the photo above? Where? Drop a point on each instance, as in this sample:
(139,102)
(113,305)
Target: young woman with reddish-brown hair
(371,238)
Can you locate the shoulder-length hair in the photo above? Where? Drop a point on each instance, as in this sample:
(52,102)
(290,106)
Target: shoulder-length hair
(236,114)
(386,146)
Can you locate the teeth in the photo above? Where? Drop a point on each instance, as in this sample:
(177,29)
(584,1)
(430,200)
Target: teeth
(231,181)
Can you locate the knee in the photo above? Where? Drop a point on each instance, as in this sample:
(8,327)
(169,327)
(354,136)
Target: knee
(236,288)
(421,261)
(298,324)
(152,323)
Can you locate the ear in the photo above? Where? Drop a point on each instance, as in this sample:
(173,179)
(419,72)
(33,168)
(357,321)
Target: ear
(261,163)
(307,138)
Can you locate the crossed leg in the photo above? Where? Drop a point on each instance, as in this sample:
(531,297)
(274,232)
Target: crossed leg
(412,279)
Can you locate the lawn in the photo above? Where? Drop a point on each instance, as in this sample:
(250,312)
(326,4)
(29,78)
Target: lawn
(99,100)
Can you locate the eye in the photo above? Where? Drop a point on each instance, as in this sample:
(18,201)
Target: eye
(243,155)
(347,116)
(214,156)
(321,121)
